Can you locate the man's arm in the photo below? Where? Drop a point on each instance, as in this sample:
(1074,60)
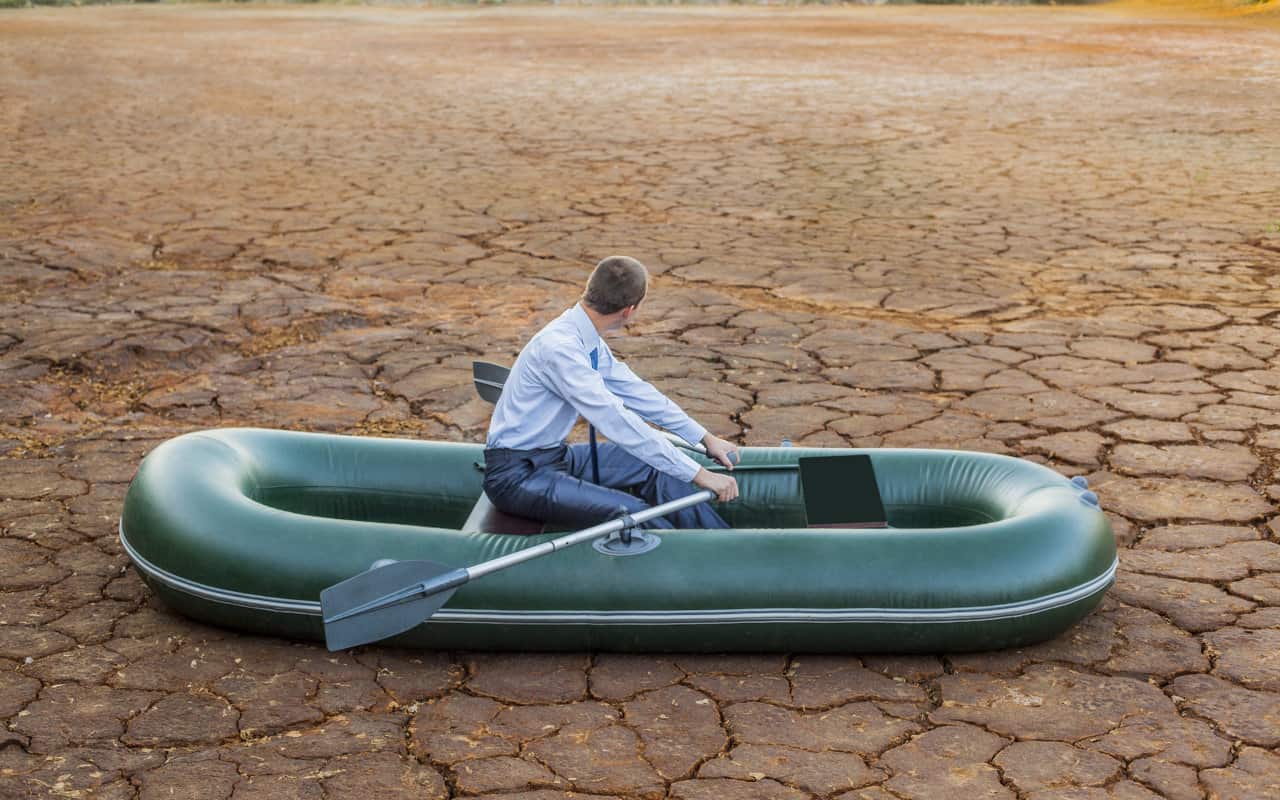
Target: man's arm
(645,400)
(570,375)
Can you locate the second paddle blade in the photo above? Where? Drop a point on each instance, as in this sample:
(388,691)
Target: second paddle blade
(489,379)
(382,620)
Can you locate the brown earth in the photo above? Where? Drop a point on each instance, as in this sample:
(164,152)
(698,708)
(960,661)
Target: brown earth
(1051,233)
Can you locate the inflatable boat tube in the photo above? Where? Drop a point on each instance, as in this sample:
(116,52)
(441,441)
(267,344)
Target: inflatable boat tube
(243,528)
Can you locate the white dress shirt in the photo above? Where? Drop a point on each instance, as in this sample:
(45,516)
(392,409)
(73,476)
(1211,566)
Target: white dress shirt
(553,382)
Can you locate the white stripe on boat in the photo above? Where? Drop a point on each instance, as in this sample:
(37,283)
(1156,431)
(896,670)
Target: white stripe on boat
(1021,608)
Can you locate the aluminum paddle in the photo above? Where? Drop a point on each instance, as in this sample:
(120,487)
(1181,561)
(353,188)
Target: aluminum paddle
(392,597)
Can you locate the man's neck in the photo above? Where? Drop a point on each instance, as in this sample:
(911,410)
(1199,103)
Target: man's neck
(603,322)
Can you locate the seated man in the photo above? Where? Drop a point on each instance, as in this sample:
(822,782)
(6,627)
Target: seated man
(567,370)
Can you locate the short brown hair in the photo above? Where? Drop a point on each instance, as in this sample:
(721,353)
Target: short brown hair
(615,283)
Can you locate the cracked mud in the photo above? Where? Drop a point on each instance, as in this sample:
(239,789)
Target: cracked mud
(1049,233)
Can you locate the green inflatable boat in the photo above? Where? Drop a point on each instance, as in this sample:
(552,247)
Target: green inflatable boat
(245,528)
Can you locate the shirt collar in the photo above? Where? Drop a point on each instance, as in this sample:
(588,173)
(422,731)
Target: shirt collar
(586,329)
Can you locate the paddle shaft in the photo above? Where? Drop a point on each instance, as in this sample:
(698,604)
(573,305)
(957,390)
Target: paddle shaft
(587,534)
(454,578)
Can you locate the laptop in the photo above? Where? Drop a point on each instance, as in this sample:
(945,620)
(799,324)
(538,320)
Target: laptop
(841,492)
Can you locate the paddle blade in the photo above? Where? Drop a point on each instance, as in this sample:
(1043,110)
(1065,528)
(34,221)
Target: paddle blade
(489,378)
(378,611)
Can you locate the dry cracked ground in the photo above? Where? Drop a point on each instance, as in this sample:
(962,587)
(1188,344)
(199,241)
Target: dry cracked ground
(1049,233)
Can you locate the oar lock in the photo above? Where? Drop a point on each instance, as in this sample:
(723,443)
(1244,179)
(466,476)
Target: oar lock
(629,541)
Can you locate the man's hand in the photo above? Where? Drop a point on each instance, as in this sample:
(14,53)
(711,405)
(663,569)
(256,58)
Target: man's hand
(720,450)
(725,487)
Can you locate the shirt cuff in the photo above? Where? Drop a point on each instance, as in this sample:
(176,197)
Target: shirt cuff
(689,468)
(690,431)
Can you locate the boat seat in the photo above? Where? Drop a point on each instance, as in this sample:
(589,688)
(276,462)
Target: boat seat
(486,518)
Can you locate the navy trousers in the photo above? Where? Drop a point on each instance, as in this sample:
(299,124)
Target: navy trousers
(549,485)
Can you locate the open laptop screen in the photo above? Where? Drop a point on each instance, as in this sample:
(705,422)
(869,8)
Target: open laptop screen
(841,492)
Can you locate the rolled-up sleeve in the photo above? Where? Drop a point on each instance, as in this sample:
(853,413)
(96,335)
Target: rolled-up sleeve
(571,376)
(646,401)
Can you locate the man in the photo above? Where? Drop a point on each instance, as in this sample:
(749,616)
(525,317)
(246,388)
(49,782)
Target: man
(567,370)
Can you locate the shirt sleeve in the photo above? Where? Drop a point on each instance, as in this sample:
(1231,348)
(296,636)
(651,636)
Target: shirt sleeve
(571,376)
(646,401)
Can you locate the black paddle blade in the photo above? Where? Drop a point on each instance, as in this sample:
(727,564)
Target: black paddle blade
(343,629)
(489,378)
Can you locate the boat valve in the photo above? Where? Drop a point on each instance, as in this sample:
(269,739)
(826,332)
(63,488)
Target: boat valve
(1087,497)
